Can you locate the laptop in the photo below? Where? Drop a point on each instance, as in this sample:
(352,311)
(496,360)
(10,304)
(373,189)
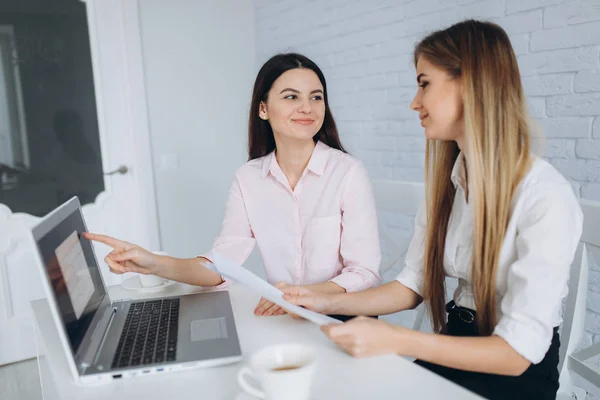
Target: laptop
(105,340)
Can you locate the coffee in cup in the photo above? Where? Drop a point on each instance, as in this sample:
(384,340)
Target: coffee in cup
(284,371)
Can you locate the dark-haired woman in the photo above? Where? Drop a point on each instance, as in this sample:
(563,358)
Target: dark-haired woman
(307,204)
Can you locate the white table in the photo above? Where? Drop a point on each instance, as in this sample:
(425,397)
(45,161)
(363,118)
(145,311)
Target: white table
(338,376)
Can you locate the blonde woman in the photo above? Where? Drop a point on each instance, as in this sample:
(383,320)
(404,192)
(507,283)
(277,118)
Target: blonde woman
(502,221)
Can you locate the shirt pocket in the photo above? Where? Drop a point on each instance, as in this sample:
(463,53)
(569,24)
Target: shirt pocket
(321,243)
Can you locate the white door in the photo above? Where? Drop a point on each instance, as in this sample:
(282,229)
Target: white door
(81,101)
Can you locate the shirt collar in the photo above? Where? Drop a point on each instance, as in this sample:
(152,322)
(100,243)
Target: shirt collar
(268,163)
(458,176)
(316,164)
(318,160)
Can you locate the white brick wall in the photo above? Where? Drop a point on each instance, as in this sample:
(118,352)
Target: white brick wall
(365,50)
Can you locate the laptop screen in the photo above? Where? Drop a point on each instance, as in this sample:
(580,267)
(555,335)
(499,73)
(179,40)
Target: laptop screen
(71,269)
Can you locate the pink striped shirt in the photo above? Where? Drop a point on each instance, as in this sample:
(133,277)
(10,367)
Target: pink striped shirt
(323,230)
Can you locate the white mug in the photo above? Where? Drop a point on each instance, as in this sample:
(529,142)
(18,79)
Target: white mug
(284,371)
(152,280)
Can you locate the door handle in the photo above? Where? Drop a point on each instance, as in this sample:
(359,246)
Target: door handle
(121,170)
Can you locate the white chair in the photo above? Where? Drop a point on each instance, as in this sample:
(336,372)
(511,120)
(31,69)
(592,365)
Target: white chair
(398,197)
(406,197)
(575,307)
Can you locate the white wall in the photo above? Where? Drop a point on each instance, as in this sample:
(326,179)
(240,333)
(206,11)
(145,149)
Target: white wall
(365,49)
(200,65)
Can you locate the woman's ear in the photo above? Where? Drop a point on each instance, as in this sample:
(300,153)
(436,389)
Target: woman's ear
(262,111)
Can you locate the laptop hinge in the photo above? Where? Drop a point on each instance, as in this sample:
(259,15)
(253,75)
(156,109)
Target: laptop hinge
(98,339)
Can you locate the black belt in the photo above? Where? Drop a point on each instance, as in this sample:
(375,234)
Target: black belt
(465,314)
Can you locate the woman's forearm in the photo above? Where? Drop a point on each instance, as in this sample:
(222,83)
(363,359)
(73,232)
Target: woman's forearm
(192,271)
(490,354)
(385,299)
(325,287)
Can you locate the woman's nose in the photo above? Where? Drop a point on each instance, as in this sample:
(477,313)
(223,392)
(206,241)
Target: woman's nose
(415,104)
(305,107)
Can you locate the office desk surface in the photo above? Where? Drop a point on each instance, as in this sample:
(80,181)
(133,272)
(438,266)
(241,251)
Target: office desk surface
(338,376)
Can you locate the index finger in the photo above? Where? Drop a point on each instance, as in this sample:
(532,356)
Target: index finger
(262,305)
(262,302)
(107,240)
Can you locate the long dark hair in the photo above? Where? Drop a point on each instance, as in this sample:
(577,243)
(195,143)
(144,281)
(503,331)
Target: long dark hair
(260,135)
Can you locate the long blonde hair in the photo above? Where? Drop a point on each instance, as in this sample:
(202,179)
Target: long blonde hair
(497,140)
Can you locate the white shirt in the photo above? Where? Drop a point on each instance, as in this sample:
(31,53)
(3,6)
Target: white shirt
(541,238)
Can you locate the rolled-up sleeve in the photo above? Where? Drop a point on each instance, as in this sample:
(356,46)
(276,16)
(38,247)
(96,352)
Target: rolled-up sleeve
(236,240)
(359,245)
(548,230)
(412,274)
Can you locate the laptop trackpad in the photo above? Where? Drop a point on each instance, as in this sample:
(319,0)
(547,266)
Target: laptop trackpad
(209,329)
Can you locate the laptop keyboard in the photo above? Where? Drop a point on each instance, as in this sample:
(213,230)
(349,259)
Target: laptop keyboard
(149,335)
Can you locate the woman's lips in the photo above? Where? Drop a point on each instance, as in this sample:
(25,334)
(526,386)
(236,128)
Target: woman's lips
(304,121)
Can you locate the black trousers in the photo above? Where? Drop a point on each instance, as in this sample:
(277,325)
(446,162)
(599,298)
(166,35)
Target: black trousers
(539,381)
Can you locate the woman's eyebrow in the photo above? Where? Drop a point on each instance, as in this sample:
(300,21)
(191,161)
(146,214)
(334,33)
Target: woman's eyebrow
(297,91)
(289,90)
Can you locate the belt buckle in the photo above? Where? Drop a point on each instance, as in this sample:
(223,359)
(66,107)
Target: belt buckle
(466,315)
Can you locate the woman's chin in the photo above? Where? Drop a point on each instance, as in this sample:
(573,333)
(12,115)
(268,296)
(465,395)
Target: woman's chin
(301,136)
(429,134)
(432,135)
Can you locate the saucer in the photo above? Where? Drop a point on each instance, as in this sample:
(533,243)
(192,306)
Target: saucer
(245,396)
(133,283)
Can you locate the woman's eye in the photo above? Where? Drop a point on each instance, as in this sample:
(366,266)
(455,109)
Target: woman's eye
(424,84)
(291,97)
(318,98)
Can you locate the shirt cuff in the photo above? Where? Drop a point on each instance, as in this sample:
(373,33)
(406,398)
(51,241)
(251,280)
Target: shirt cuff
(412,280)
(525,339)
(226,283)
(352,282)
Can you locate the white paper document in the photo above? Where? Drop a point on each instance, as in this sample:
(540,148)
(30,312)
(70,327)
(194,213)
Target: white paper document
(236,272)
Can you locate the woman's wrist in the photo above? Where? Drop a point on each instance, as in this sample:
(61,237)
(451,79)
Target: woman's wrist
(407,342)
(169,267)
(162,265)
(335,303)
(328,287)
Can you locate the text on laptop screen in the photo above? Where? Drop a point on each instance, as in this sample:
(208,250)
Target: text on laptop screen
(74,275)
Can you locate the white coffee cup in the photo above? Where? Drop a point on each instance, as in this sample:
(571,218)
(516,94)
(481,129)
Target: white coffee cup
(284,371)
(152,280)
